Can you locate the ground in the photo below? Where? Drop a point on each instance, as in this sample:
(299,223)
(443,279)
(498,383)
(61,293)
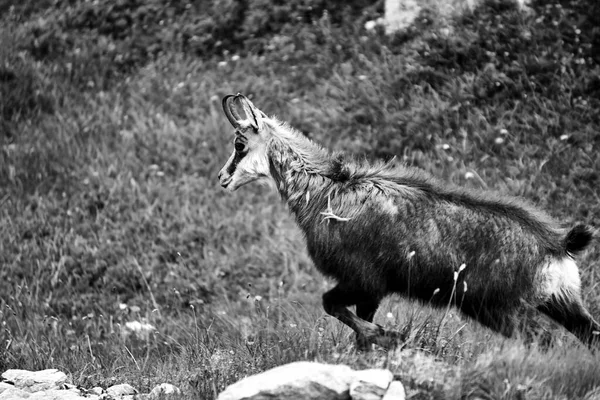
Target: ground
(112,134)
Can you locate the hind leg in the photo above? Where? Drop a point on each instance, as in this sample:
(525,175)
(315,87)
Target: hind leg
(572,314)
(366,310)
(561,300)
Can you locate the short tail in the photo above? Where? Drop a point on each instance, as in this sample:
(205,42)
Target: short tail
(578,238)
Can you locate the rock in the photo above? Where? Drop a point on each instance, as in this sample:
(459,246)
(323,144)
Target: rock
(164,390)
(310,380)
(299,380)
(14,394)
(370,384)
(97,390)
(400,14)
(121,390)
(5,386)
(395,391)
(55,394)
(35,381)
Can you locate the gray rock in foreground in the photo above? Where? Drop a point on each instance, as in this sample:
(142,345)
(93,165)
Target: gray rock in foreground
(35,381)
(122,389)
(310,380)
(395,391)
(51,384)
(370,384)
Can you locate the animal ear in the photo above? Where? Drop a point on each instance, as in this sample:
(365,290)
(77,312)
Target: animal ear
(254,115)
(230,112)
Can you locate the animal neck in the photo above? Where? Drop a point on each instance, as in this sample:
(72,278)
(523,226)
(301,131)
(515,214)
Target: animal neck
(303,171)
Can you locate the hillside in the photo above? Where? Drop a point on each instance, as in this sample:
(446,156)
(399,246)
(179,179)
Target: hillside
(112,134)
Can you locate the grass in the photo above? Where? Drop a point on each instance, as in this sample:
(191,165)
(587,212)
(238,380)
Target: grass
(110,210)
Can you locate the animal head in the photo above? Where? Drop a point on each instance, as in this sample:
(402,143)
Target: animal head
(249,161)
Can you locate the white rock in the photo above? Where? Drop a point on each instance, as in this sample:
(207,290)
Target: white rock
(370,384)
(395,391)
(5,386)
(35,381)
(400,14)
(164,389)
(123,389)
(55,394)
(299,380)
(14,394)
(97,390)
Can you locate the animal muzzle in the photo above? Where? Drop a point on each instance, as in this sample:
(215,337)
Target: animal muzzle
(224,178)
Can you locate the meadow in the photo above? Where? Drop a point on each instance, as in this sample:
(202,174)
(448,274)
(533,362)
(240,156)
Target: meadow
(112,135)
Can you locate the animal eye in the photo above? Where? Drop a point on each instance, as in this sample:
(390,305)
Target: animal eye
(239,146)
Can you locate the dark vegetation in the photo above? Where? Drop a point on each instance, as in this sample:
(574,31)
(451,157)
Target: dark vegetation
(111,136)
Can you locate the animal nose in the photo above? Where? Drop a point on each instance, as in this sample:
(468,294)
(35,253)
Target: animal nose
(220,174)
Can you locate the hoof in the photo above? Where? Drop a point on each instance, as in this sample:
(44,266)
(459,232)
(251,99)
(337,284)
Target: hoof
(388,339)
(363,344)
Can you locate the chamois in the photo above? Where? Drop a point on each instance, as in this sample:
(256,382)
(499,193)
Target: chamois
(379,229)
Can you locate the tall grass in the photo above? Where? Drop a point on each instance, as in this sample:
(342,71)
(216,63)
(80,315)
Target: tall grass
(110,210)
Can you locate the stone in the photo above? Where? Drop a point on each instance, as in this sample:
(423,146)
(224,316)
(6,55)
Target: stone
(370,384)
(56,394)
(164,390)
(395,392)
(14,394)
(121,390)
(299,380)
(5,386)
(400,14)
(35,381)
(97,390)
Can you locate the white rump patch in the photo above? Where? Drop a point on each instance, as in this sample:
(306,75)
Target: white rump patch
(560,277)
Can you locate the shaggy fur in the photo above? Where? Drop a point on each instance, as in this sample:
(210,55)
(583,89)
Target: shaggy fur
(382,229)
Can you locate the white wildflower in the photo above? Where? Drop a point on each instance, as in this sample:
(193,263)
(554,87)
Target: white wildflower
(370,25)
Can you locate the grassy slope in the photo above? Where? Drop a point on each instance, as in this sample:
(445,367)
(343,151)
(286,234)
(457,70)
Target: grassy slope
(110,197)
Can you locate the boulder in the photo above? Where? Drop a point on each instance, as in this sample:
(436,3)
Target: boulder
(164,390)
(370,384)
(14,394)
(56,394)
(311,380)
(395,392)
(35,381)
(5,386)
(121,390)
(299,380)
(400,14)
(97,390)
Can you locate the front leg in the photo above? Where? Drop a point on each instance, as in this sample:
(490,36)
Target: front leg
(365,309)
(335,303)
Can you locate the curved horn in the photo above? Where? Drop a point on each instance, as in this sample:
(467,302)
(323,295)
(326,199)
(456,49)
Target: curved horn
(230,112)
